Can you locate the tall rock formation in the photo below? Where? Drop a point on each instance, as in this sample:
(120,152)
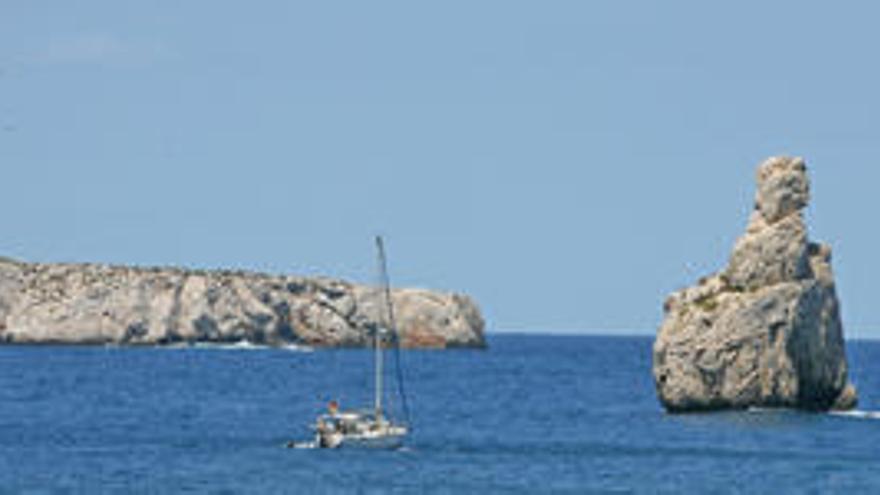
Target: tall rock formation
(766,331)
(100,304)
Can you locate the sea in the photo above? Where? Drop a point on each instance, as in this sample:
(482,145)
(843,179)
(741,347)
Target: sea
(532,414)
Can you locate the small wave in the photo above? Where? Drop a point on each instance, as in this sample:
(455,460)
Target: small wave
(858,414)
(772,411)
(245,345)
(301,445)
(297,348)
(242,345)
(762,410)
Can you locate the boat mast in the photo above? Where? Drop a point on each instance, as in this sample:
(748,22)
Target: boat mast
(378,399)
(377,339)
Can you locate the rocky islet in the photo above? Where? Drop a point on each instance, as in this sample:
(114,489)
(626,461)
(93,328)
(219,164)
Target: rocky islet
(766,331)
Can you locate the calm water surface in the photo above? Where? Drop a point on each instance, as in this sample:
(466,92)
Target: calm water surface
(532,415)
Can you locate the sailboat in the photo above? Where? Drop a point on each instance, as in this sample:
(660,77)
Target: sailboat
(372,427)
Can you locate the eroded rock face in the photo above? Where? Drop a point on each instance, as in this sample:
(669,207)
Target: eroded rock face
(766,331)
(99,304)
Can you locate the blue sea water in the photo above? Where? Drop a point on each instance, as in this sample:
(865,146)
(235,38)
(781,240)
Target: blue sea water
(534,414)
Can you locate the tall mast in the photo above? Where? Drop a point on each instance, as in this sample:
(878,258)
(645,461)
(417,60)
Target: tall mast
(378,398)
(377,339)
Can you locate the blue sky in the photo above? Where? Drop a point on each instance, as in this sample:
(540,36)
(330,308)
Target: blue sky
(566,163)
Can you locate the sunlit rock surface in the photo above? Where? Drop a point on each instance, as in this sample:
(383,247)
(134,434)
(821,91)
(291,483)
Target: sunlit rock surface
(766,331)
(100,304)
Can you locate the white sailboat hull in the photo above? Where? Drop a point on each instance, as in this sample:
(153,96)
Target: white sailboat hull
(386,437)
(387,442)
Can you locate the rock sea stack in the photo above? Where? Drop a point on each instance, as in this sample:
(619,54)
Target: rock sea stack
(766,331)
(101,304)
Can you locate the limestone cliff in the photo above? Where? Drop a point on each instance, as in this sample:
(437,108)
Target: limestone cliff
(766,331)
(100,304)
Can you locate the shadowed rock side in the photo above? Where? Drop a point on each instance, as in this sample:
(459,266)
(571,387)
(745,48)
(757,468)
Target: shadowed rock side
(766,331)
(99,304)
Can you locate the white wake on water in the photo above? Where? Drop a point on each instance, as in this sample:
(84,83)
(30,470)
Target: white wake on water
(245,345)
(857,414)
(845,414)
(242,345)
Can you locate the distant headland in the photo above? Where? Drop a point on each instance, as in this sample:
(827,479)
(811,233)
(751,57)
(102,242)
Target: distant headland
(102,304)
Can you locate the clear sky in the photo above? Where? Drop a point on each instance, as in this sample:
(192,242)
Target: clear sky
(567,163)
